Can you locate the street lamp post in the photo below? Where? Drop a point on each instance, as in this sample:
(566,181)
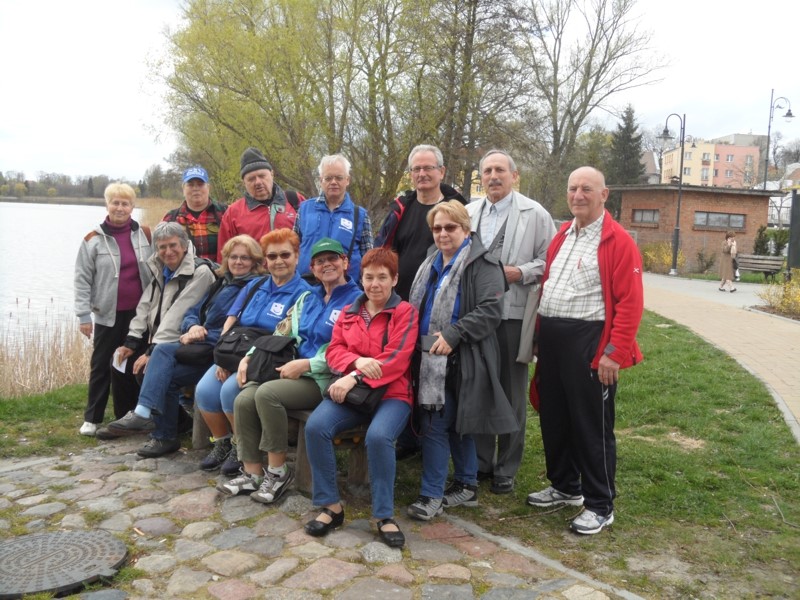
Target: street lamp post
(773,104)
(676,233)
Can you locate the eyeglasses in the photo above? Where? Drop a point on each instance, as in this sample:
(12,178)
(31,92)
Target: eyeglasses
(327,258)
(285,255)
(240,257)
(449,228)
(336,178)
(423,169)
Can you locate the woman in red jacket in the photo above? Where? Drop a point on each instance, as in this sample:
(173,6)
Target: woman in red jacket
(373,341)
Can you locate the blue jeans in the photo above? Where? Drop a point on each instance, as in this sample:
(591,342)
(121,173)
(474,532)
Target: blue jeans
(330,418)
(160,392)
(214,396)
(439,442)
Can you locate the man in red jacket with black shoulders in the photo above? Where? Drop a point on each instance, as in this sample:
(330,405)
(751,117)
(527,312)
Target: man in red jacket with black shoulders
(591,306)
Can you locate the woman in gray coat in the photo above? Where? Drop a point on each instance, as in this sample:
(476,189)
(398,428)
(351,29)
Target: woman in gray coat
(458,291)
(110,274)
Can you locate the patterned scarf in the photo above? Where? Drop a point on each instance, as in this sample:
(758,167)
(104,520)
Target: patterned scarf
(433,367)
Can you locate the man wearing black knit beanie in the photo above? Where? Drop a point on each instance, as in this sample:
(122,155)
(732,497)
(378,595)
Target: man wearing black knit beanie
(265,205)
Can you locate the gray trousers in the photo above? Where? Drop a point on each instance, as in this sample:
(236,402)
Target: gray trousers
(501,455)
(259,413)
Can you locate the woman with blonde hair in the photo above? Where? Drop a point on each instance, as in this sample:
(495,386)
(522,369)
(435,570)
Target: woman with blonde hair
(110,275)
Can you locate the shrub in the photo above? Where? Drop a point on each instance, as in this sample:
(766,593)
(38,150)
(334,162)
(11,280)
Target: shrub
(704,263)
(657,258)
(781,238)
(761,243)
(784,297)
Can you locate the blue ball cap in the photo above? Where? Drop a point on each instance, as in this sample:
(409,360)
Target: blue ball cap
(196,172)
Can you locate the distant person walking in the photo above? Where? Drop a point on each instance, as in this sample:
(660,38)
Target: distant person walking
(110,274)
(726,269)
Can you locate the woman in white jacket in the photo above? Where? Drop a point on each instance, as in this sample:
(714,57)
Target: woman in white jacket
(110,274)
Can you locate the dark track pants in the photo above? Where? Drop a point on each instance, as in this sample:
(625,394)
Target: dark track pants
(103,377)
(576,413)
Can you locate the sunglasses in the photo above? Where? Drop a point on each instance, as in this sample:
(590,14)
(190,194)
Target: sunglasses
(240,258)
(449,228)
(285,255)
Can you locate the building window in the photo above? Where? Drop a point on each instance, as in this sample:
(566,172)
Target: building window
(716,172)
(687,170)
(728,172)
(704,174)
(718,220)
(687,155)
(748,159)
(716,156)
(706,156)
(641,215)
(729,158)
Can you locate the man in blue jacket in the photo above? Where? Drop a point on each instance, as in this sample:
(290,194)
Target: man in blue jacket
(333,215)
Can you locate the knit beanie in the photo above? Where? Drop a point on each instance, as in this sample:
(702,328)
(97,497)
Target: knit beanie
(253,160)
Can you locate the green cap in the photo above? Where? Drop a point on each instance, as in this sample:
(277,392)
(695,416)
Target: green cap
(327,245)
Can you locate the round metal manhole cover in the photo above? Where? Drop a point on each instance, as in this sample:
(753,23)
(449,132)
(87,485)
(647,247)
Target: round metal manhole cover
(57,562)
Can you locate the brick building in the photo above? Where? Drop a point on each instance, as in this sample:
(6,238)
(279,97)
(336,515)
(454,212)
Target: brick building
(706,214)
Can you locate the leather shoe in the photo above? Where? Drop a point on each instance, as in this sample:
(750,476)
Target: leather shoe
(393,539)
(502,485)
(319,529)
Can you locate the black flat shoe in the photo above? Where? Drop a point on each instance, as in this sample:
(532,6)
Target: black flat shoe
(502,485)
(393,539)
(319,529)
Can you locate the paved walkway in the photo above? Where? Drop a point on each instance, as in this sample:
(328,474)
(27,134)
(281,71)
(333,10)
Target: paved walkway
(767,346)
(189,541)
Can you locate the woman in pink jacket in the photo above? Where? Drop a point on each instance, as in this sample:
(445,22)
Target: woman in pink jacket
(373,341)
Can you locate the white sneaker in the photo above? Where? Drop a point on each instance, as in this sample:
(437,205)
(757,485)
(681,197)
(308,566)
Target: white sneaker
(589,522)
(550,496)
(88,429)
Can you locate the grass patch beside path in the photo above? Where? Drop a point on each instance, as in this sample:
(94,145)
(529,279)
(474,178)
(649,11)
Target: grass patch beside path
(43,424)
(708,481)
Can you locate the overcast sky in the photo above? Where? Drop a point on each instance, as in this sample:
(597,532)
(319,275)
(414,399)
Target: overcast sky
(77,97)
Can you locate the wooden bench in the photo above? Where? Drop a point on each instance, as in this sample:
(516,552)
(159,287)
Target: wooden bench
(768,265)
(350,439)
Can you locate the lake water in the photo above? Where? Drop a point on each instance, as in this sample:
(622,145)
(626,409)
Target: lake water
(40,243)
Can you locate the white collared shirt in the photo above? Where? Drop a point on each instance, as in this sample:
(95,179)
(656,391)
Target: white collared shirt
(573,289)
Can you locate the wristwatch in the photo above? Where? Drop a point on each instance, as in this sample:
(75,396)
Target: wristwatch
(357,376)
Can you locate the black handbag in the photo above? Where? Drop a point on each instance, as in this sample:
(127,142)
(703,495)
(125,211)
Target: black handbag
(234,344)
(269,353)
(199,354)
(237,341)
(365,399)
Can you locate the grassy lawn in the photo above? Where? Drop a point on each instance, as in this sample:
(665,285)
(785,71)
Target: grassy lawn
(708,480)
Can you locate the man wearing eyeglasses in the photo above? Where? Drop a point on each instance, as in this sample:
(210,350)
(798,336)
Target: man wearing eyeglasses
(517,230)
(405,229)
(199,215)
(333,214)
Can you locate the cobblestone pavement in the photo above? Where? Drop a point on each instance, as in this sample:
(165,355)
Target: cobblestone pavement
(190,541)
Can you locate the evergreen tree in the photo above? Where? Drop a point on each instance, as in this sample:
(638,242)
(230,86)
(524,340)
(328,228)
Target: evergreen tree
(625,164)
(90,187)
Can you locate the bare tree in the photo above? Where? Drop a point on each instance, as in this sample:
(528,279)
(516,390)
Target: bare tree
(580,54)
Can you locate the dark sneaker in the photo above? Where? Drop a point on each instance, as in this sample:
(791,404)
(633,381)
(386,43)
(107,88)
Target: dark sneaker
(425,508)
(185,421)
(131,424)
(460,494)
(502,485)
(589,522)
(155,448)
(550,496)
(217,456)
(232,464)
(104,433)
(273,487)
(245,483)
